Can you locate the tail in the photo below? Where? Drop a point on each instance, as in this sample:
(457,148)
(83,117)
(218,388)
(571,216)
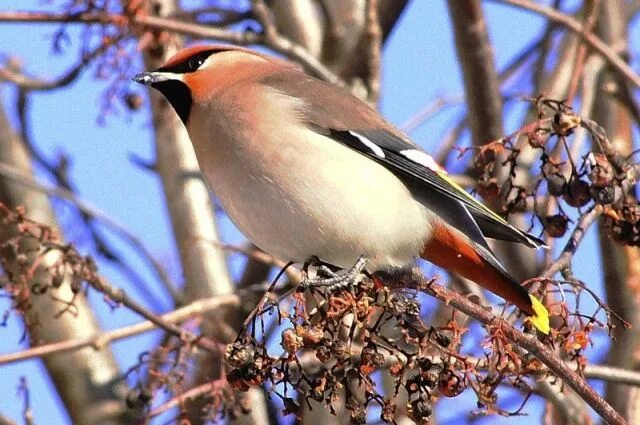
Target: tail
(451,250)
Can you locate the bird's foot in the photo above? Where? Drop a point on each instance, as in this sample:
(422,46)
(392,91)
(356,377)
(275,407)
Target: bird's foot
(329,280)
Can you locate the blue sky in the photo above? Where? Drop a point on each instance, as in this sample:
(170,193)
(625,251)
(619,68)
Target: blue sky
(419,64)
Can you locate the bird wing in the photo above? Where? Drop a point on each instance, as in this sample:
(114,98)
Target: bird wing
(411,162)
(346,119)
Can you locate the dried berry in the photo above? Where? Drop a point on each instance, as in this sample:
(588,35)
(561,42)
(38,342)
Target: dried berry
(290,406)
(600,170)
(239,354)
(412,384)
(291,342)
(519,201)
(606,195)
(370,359)
(420,409)
(133,101)
(577,193)
(556,184)
(358,418)
(388,413)
(624,224)
(430,380)
(488,189)
(555,225)
(311,335)
(442,339)
(245,377)
(564,122)
(396,369)
(138,397)
(323,353)
(424,364)
(450,384)
(538,138)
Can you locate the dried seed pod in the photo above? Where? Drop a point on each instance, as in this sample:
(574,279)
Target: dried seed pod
(577,193)
(555,225)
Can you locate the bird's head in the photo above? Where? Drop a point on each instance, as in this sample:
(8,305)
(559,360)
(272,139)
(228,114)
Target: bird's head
(194,74)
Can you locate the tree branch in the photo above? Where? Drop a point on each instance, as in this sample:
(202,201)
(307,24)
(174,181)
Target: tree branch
(278,44)
(98,341)
(529,342)
(576,27)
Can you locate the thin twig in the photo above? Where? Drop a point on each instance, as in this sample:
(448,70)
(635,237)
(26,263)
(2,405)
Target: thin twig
(576,27)
(278,44)
(98,341)
(592,8)
(65,79)
(191,394)
(572,244)
(13,173)
(529,342)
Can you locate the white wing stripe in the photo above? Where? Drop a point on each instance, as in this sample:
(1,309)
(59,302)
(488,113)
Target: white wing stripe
(368,143)
(422,158)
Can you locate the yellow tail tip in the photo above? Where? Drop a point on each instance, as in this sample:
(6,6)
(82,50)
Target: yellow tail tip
(540,318)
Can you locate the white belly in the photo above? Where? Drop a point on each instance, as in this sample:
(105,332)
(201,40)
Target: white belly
(305,195)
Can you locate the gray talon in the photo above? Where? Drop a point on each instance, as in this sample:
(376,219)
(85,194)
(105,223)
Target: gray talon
(332,281)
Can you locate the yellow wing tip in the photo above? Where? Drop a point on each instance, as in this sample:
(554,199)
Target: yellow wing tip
(540,319)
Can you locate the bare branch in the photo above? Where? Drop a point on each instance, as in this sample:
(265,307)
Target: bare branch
(569,250)
(18,176)
(99,341)
(373,41)
(532,345)
(576,27)
(278,44)
(67,78)
(482,86)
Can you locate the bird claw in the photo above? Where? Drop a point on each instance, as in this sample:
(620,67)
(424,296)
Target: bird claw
(331,281)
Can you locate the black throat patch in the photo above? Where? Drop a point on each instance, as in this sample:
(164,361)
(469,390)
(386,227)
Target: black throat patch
(178,95)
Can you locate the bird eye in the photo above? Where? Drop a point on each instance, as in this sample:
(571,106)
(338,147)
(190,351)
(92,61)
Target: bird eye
(195,63)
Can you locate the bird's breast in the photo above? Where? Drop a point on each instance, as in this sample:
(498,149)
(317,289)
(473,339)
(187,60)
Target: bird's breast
(296,193)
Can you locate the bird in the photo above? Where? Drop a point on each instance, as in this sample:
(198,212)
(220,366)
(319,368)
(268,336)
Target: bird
(307,170)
